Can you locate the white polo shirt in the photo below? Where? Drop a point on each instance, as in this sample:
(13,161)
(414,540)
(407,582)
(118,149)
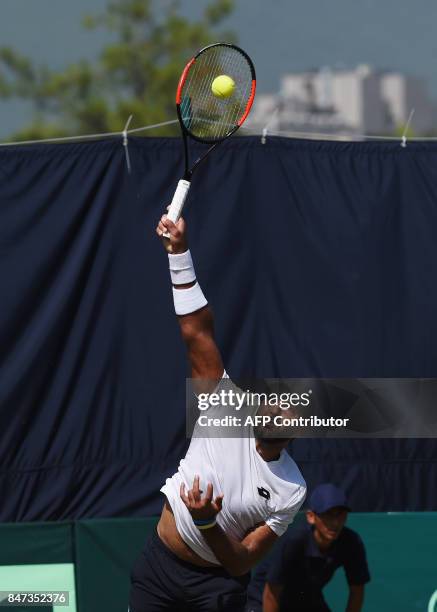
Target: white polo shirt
(254,490)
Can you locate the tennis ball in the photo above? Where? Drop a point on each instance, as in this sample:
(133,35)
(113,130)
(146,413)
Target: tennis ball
(223,86)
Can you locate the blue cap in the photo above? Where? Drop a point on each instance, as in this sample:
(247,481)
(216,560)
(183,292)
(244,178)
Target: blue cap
(327,496)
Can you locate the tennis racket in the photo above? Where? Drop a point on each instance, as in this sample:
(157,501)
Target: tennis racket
(205,115)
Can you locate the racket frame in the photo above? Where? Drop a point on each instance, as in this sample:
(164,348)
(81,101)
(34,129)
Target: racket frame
(181,192)
(181,84)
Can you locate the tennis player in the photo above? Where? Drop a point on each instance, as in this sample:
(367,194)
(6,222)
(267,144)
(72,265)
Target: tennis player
(231,498)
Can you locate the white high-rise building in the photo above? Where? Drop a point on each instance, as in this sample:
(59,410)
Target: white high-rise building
(358,101)
(402,94)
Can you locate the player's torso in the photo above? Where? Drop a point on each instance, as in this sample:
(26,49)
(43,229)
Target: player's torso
(251,492)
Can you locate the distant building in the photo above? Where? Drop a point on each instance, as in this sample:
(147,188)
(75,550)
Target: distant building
(401,94)
(349,102)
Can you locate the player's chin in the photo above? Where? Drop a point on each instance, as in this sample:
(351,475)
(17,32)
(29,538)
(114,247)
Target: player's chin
(275,443)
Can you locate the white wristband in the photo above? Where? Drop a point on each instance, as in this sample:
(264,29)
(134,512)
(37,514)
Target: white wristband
(188,300)
(181,268)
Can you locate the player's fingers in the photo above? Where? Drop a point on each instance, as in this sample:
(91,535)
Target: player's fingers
(162,221)
(191,498)
(218,502)
(180,224)
(171,228)
(196,488)
(183,496)
(161,229)
(209,492)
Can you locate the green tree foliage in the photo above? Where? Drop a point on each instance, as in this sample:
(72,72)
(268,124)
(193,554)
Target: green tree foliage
(134,75)
(400,131)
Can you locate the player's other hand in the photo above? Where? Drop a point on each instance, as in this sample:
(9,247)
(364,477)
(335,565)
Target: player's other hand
(199,507)
(177,242)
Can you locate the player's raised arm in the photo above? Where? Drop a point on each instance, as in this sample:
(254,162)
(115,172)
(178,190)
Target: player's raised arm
(194,315)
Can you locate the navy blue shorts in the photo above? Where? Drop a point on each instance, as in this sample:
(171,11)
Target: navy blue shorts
(162,581)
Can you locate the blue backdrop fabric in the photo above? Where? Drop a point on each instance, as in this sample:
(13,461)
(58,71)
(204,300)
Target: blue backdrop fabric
(319,259)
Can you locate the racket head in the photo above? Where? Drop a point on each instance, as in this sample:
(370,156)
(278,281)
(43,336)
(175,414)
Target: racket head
(204,116)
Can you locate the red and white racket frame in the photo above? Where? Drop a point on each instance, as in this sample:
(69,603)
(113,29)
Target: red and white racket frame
(180,196)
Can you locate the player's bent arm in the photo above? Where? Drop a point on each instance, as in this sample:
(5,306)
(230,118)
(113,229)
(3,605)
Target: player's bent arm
(239,557)
(194,315)
(356,598)
(271,597)
(235,556)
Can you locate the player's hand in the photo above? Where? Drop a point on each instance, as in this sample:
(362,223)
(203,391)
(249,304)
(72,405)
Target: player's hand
(200,507)
(177,243)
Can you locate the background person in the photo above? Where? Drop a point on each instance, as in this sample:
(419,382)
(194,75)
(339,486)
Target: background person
(292,580)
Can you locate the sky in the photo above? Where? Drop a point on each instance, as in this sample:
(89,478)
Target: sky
(280,35)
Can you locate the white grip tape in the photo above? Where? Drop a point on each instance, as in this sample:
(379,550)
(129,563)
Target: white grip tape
(177,204)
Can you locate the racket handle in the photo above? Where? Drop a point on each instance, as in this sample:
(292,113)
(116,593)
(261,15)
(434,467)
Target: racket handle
(177,204)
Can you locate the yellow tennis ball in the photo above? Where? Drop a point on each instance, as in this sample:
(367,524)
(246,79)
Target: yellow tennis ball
(223,86)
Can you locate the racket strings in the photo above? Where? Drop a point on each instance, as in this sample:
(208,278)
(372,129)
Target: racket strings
(204,114)
(196,91)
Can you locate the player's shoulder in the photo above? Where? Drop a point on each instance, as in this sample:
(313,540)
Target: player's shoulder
(293,472)
(293,487)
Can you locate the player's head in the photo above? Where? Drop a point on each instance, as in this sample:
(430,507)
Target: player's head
(270,437)
(271,447)
(327,512)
